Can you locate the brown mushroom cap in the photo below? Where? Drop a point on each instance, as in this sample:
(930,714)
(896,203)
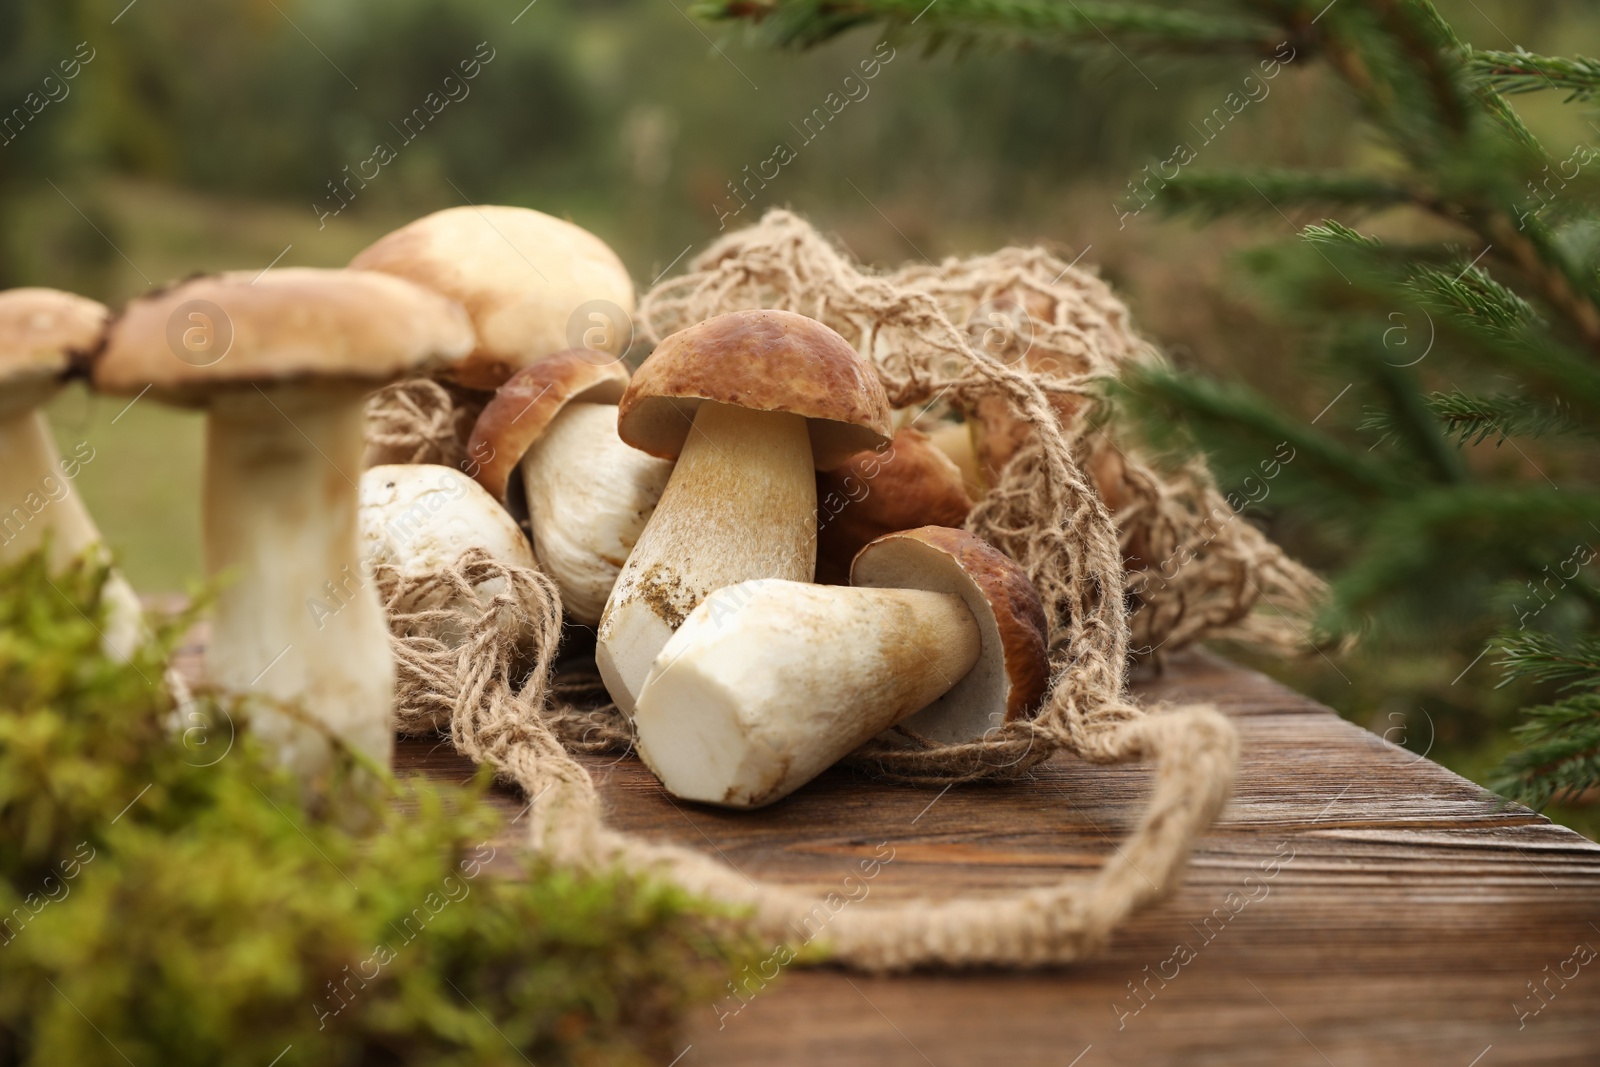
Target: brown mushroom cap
(765,361)
(521,275)
(40,331)
(1013,669)
(525,405)
(280,326)
(909,484)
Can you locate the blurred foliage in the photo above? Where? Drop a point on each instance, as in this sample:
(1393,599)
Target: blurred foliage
(624,115)
(159,878)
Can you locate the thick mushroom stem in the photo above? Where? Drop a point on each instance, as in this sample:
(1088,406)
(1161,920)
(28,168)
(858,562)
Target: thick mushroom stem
(741,504)
(769,683)
(36,499)
(589,497)
(281,529)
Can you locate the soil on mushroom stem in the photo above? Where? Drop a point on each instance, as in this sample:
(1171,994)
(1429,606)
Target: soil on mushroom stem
(667,596)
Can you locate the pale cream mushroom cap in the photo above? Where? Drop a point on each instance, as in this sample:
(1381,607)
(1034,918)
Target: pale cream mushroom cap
(521,275)
(41,330)
(280,327)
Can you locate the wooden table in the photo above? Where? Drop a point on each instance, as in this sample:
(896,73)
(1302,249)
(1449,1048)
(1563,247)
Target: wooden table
(1355,905)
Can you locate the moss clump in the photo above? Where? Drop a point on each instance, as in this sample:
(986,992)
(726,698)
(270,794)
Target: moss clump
(161,905)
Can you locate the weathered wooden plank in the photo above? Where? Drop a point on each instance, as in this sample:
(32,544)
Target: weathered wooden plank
(1410,917)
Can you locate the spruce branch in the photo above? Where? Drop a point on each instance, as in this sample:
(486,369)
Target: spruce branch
(1385,87)
(1170,405)
(1564,284)
(1429,546)
(1213,194)
(1543,658)
(1524,72)
(1554,374)
(1472,293)
(1475,419)
(1561,753)
(1414,423)
(1434,54)
(1334,233)
(803,23)
(1472,419)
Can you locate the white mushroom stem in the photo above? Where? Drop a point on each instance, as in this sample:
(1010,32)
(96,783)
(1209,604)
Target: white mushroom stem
(769,683)
(589,496)
(37,498)
(954,439)
(741,504)
(281,530)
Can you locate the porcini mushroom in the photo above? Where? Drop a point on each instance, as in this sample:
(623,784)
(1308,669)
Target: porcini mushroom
(587,494)
(954,439)
(522,276)
(1013,670)
(1004,326)
(750,404)
(1106,466)
(768,683)
(282,362)
(420,518)
(1109,470)
(40,330)
(909,484)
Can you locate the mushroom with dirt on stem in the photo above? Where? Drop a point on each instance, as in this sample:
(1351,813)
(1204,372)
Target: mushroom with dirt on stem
(769,683)
(282,363)
(40,332)
(549,446)
(750,404)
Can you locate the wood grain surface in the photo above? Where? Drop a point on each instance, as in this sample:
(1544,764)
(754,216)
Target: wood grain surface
(1356,904)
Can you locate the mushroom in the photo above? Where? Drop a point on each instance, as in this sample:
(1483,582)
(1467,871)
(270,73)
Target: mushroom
(954,439)
(770,682)
(282,361)
(910,484)
(588,495)
(40,330)
(770,396)
(1106,466)
(1013,669)
(421,518)
(1004,326)
(528,280)
(1108,469)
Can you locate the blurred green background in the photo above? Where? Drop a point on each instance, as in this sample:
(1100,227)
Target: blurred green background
(198,137)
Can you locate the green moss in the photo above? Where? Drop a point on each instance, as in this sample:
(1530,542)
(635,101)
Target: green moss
(165,906)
